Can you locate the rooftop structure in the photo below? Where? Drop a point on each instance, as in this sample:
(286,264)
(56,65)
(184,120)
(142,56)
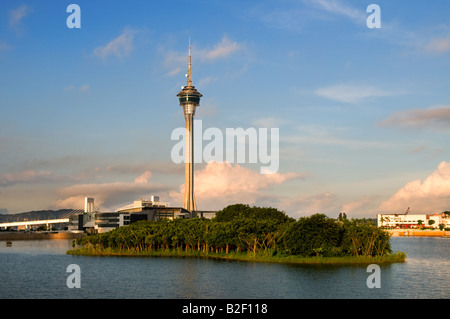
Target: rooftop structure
(141,204)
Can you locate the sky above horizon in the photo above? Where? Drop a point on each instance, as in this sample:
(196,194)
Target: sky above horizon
(363,113)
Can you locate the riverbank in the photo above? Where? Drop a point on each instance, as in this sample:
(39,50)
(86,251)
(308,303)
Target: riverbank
(39,235)
(418,233)
(396,257)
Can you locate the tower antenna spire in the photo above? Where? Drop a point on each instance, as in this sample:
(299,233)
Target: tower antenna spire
(189,80)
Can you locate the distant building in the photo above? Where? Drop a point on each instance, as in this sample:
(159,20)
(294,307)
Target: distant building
(412,220)
(143,204)
(143,209)
(208,214)
(89,206)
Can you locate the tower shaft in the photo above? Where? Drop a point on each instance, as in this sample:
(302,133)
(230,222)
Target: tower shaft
(189,197)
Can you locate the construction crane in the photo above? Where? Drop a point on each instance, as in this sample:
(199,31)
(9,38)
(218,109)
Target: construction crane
(407,211)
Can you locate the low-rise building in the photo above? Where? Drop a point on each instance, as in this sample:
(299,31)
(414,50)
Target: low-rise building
(142,209)
(413,220)
(143,204)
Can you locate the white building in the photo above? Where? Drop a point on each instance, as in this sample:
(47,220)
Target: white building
(412,220)
(141,204)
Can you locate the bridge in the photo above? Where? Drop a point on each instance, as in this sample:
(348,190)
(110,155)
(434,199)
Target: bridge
(88,207)
(35,223)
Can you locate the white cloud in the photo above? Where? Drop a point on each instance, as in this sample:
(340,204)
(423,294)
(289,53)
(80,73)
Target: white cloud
(294,15)
(427,197)
(222,184)
(120,47)
(143,178)
(174,71)
(177,61)
(336,7)
(351,93)
(221,50)
(109,195)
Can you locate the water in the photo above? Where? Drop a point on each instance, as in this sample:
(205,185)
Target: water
(38,269)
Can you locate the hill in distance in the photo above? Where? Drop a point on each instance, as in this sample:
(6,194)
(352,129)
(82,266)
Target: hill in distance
(34,215)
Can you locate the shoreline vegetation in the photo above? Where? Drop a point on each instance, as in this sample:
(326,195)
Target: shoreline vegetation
(243,233)
(233,256)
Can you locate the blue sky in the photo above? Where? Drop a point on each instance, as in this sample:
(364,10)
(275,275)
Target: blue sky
(363,114)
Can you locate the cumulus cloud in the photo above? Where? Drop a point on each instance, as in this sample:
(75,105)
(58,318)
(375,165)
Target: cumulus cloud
(427,197)
(109,195)
(143,178)
(435,118)
(222,184)
(119,47)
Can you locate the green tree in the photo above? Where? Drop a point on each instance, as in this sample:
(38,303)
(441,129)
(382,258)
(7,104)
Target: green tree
(249,229)
(232,212)
(313,234)
(364,238)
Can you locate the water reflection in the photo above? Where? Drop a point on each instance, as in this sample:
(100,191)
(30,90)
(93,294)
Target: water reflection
(35,247)
(37,269)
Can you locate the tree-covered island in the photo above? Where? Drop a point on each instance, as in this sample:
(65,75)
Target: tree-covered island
(241,232)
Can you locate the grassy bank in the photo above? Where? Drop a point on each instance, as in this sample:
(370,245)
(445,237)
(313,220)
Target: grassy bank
(234,256)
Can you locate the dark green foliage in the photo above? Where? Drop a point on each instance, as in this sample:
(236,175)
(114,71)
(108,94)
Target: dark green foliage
(362,238)
(315,235)
(254,230)
(232,212)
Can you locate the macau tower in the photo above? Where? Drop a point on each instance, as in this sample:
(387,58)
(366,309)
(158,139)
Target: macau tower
(189,99)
